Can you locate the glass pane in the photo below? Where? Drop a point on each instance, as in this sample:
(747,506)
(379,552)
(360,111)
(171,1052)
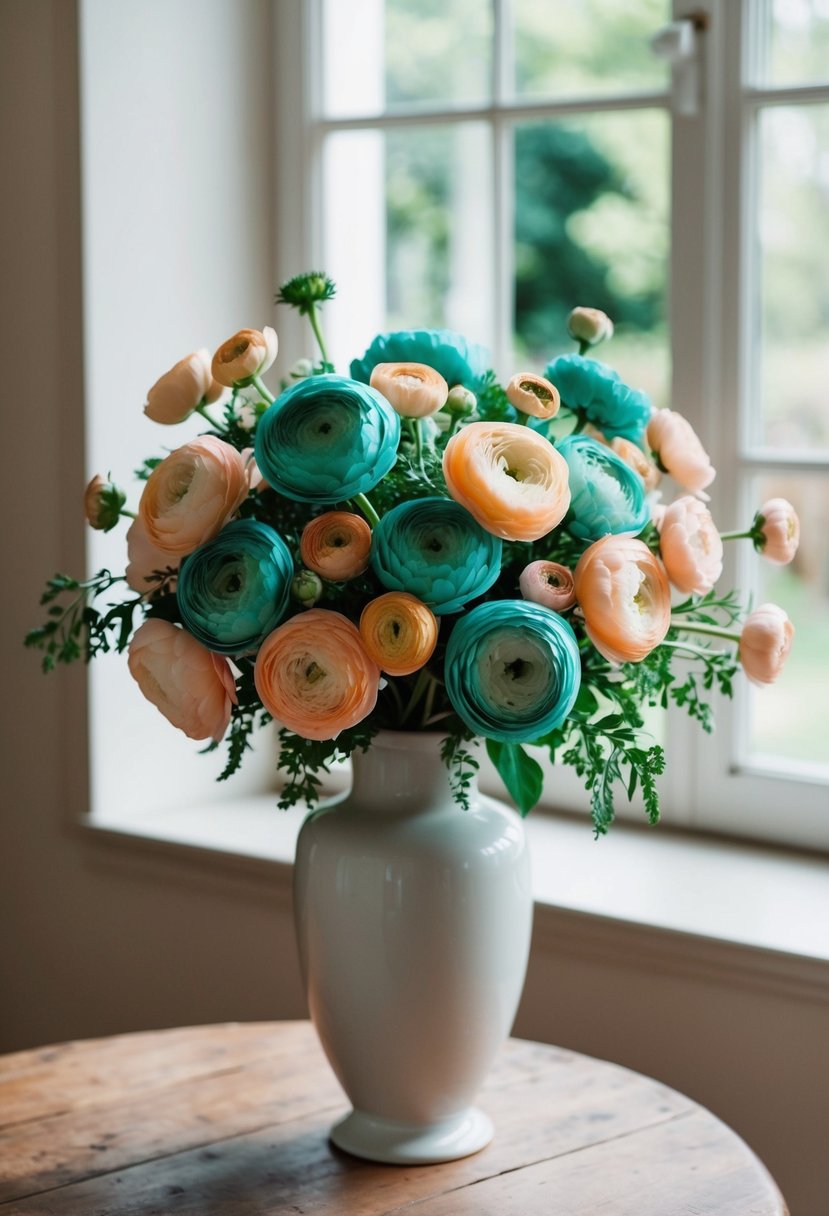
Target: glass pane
(587,47)
(592,228)
(410,247)
(386,54)
(793,240)
(797,48)
(788,721)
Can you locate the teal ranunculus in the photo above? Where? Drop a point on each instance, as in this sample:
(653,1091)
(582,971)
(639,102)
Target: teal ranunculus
(606,495)
(435,550)
(596,389)
(458,361)
(233,590)
(512,670)
(326,439)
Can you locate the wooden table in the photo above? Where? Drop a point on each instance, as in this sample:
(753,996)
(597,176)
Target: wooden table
(232,1121)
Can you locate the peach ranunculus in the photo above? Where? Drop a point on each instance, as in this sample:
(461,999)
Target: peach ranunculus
(192,494)
(777,529)
(548,583)
(185,386)
(336,545)
(414,390)
(625,597)
(510,479)
(249,353)
(679,451)
(633,456)
(144,560)
(690,544)
(193,688)
(765,642)
(256,482)
(589,326)
(533,395)
(314,676)
(399,632)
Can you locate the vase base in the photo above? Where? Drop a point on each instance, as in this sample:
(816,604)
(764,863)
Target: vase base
(393,1143)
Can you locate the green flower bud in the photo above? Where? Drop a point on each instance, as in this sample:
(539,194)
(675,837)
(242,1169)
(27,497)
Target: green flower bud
(461,402)
(306,588)
(102,502)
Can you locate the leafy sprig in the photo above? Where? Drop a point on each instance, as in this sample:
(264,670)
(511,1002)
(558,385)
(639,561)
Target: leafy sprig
(302,760)
(75,629)
(461,762)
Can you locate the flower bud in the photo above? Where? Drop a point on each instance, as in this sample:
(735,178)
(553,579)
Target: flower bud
(533,395)
(765,642)
(182,389)
(777,531)
(247,354)
(102,503)
(461,402)
(589,325)
(306,588)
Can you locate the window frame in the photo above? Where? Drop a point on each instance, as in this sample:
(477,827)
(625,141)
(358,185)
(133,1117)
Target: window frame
(711,279)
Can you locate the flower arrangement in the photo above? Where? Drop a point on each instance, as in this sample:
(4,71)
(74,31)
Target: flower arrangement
(417,547)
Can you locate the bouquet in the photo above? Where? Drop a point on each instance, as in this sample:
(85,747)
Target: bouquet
(417,547)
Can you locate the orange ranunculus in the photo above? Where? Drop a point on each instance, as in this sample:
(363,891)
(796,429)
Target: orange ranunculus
(248,353)
(679,451)
(690,545)
(399,632)
(336,545)
(314,676)
(190,685)
(765,642)
(192,494)
(533,395)
(633,456)
(548,583)
(176,394)
(414,390)
(511,479)
(779,529)
(625,597)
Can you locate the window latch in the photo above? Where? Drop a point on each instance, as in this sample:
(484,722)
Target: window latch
(679,44)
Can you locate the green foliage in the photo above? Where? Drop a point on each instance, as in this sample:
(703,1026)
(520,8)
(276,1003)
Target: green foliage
(74,629)
(461,762)
(304,291)
(523,776)
(304,759)
(146,467)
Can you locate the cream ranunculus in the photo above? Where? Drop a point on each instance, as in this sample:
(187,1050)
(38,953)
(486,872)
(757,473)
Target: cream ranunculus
(192,688)
(412,389)
(192,494)
(765,642)
(249,353)
(589,326)
(623,591)
(691,546)
(510,479)
(179,391)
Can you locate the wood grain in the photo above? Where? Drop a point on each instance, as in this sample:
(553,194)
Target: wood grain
(234,1119)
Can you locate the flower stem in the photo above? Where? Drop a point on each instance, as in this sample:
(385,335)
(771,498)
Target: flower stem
(131,514)
(749,535)
(692,649)
(313,317)
(712,631)
(367,509)
(581,422)
(203,410)
(421,685)
(418,438)
(259,384)
(429,703)
(584,347)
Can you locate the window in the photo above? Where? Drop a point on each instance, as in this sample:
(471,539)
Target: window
(484,166)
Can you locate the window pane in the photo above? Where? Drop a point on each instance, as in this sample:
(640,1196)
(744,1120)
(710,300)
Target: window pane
(591,228)
(797,50)
(793,243)
(386,54)
(588,47)
(408,232)
(790,721)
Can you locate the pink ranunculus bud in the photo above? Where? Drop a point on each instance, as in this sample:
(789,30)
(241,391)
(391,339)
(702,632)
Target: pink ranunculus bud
(691,546)
(193,688)
(548,583)
(589,325)
(249,353)
(778,530)
(179,391)
(765,642)
(679,451)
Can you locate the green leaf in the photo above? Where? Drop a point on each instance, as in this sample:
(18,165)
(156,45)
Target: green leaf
(521,774)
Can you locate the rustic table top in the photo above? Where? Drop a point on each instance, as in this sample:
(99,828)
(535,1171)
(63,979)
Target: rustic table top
(234,1119)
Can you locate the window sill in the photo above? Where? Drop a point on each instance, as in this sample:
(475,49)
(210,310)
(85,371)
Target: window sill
(664,899)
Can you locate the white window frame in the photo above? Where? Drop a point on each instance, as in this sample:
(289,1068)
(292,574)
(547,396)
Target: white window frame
(711,281)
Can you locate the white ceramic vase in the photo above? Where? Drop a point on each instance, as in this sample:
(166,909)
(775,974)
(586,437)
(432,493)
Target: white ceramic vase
(413,921)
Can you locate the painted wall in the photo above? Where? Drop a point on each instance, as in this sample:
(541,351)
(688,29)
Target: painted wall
(96,939)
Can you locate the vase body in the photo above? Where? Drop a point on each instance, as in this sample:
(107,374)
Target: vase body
(413,922)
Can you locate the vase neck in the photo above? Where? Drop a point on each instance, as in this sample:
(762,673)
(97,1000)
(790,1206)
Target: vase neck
(402,773)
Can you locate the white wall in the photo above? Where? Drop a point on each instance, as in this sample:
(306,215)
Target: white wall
(95,940)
